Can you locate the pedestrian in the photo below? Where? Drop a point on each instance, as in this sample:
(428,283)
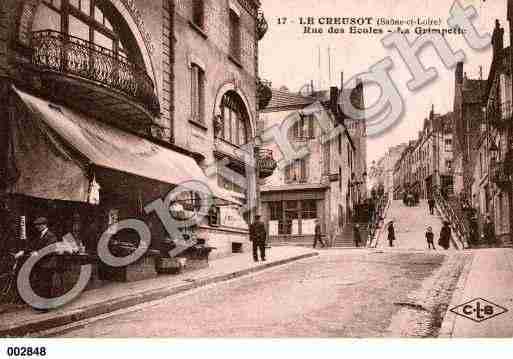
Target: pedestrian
(431,204)
(356,235)
(258,235)
(44,273)
(445,236)
(391,233)
(474,231)
(405,198)
(416,198)
(489,231)
(318,233)
(410,199)
(430,237)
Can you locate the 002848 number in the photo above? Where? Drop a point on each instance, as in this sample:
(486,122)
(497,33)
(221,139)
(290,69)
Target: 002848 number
(26,351)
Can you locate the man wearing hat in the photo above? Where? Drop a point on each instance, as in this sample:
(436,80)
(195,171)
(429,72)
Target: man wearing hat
(43,274)
(258,235)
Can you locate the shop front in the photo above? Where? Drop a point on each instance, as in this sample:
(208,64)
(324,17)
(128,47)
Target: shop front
(291,215)
(86,177)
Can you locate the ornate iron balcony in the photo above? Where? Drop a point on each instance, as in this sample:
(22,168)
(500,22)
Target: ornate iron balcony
(264,93)
(266,162)
(66,54)
(261,25)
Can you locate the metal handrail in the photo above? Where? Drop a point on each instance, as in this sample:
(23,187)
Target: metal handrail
(64,53)
(456,223)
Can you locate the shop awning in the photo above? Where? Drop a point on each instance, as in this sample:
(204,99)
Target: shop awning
(112,148)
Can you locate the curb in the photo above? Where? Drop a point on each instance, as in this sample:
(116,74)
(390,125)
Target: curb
(108,306)
(448,323)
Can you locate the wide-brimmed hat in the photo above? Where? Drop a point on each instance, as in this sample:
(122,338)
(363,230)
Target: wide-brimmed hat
(41,220)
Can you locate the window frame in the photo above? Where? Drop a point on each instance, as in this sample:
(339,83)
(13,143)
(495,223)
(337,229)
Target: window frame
(197,93)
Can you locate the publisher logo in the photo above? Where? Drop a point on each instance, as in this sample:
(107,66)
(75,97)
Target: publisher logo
(479,310)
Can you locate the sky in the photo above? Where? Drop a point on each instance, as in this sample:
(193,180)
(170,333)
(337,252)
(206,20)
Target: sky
(288,57)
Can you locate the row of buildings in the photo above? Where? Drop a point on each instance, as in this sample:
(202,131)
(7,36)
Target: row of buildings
(467,154)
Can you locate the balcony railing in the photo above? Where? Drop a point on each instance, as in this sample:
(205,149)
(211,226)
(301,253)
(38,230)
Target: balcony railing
(264,93)
(266,162)
(506,111)
(262,25)
(63,53)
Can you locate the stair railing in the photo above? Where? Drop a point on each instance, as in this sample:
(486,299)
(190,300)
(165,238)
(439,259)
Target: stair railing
(456,223)
(374,225)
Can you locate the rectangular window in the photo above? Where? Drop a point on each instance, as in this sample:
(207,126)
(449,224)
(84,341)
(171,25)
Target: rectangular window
(197,93)
(326,159)
(235,35)
(198,12)
(448,144)
(309,209)
(339,143)
(276,209)
(47,18)
(296,171)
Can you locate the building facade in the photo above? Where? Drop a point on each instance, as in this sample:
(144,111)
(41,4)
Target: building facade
(126,100)
(326,183)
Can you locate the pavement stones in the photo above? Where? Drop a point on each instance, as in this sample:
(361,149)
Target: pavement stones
(115,296)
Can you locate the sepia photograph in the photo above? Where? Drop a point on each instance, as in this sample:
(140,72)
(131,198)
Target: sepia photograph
(263,169)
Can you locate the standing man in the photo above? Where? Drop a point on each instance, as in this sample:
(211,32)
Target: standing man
(489,231)
(356,235)
(391,234)
(45,270)
(258,235)
(318,233)
(431,204)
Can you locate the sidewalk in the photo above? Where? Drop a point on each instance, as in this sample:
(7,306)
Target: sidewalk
(489,276)
(115,296)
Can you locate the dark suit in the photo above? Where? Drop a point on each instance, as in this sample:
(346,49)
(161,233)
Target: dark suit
(43,276)
(258,235)
(318,235)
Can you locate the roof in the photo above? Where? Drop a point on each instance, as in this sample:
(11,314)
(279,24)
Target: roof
(295,187)
(285,99)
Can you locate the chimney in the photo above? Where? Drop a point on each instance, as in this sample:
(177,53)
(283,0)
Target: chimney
(459,73)
(334,99)
(497,39)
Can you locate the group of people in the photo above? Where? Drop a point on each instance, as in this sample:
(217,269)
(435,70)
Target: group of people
(411,198)
(443,241)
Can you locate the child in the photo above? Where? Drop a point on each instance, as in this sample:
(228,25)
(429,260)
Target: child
(429,237)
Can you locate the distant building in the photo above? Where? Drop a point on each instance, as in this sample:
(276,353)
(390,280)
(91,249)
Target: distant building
(427,161)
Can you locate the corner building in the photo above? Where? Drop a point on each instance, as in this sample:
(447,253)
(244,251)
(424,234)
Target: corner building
(107,105)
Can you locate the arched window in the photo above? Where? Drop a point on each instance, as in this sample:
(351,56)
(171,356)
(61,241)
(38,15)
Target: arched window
(234,119)
(92,21)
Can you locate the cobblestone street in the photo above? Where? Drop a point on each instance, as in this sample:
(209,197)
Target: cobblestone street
(351,293)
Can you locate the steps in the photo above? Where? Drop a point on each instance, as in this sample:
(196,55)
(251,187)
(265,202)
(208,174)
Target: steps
(410,225)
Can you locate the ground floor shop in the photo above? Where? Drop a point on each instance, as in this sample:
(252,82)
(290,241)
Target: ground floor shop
(88,178)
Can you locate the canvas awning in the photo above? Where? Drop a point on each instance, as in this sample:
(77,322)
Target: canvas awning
(109,147)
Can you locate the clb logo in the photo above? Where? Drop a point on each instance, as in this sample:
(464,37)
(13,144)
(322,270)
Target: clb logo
(479,310)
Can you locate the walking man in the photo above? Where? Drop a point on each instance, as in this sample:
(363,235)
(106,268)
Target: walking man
(318,234)
(430,237)
(391,233)
(258,235)
(356,235)
(431,204)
